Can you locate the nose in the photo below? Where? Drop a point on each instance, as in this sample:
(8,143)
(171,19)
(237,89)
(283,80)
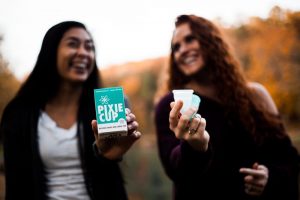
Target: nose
(183,48)
(81,50)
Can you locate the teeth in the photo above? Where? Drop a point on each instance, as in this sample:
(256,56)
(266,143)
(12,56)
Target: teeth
(80,65)
(189,60)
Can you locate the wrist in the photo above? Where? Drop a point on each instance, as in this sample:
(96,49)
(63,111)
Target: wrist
(100,154)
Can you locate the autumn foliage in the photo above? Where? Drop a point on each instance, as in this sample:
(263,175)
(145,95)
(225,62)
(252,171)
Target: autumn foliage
(269,51)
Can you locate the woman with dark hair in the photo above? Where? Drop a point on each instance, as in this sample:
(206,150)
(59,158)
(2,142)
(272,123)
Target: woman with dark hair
(51,146)
(243,151)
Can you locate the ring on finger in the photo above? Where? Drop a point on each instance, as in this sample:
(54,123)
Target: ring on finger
(251,188)
(192,131)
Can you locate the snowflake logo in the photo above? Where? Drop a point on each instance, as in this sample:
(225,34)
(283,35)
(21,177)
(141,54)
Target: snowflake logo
(104,99)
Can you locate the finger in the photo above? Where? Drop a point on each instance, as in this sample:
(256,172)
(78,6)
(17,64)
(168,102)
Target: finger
(127,111)
(249,179)
(130,139)
(185,122)
(172,104)
(194,125)
(254,181)
(95,128)
(190,112)
(132,126)
(94,124)
(176,108)
(253,172)
(130,117)
(202,125)
(253,193)
(248,186)
(263,168)
(253,190)
(182,126)
(255,165)
(173,116)
(136,134)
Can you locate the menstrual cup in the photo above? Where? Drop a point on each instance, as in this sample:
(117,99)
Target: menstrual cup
(188,98)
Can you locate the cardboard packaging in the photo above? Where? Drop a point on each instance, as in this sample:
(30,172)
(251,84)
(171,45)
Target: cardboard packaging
(110,112)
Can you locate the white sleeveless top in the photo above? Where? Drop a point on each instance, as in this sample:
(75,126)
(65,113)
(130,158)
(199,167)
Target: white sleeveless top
(60,156)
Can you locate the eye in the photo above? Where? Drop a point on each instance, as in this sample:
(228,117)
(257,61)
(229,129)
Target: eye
(89,46)
(72,44)
(189,38)
(175,47)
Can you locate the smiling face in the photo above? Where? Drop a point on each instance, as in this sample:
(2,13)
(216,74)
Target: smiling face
(75,55)
(187,50)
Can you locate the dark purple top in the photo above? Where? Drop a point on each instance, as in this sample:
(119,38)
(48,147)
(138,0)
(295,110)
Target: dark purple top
(215,173)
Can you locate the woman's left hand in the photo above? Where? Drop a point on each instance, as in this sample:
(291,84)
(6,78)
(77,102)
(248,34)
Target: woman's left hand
(256,179)
(115,148)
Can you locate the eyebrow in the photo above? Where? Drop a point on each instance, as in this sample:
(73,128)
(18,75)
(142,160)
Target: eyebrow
(77,39)
(185,38)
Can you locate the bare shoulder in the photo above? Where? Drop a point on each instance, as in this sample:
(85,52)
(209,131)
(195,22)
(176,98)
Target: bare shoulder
(264,96)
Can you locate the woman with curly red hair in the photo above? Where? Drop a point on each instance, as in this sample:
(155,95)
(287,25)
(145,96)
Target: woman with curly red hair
(238,148)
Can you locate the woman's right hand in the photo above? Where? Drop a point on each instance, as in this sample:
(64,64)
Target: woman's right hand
(115,148)
(191,130)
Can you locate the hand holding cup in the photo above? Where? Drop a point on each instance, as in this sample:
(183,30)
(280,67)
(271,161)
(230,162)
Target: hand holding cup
(185,122)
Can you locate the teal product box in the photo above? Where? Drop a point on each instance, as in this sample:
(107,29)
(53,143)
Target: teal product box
(110,112)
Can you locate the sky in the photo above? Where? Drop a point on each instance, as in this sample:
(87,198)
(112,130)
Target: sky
(123,30)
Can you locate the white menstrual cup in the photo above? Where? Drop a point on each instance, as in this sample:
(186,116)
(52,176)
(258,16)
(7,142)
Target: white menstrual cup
(185,96)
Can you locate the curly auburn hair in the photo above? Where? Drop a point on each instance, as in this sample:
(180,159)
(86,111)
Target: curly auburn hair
(223,70)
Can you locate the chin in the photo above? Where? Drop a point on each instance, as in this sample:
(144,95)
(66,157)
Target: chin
(191,72)
(81,79)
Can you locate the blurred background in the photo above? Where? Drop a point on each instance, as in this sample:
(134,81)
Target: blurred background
(267,44)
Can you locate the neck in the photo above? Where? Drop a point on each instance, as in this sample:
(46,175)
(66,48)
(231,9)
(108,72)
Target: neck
(67,95)
(207,90)
(64,106)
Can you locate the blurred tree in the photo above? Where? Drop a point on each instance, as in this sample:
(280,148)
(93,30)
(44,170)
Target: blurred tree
(269,51)
(139,80)
(8,83)
(8,87)
(277,14)
(293,19)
